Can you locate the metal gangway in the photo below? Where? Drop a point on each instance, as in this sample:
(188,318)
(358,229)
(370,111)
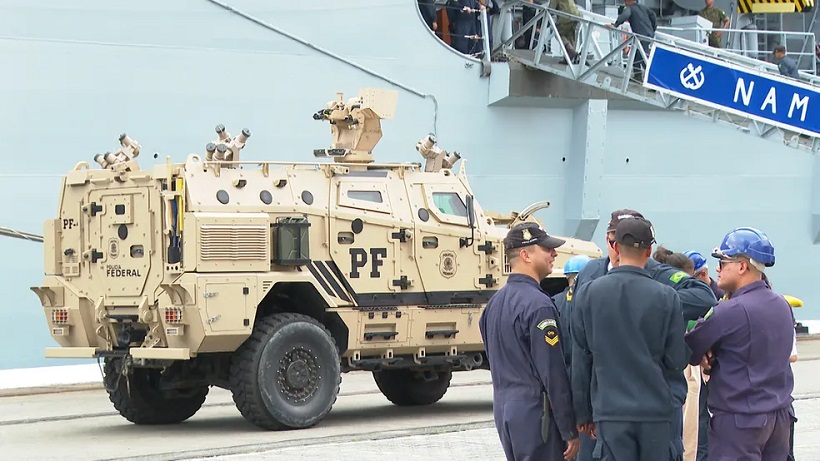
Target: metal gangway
(605,61)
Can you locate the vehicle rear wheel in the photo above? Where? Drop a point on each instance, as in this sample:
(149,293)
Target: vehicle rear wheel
(287,374)
(410,387)
(139,399)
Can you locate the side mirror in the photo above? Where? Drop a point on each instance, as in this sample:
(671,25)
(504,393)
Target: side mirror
(470,212)
(467,241)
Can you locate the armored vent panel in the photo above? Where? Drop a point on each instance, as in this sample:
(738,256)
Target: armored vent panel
(240,243)
(234,243)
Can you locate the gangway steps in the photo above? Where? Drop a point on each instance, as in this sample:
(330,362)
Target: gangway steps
(612,80)
(610,68)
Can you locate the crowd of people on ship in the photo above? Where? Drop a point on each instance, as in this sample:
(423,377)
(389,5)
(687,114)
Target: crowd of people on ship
(644,356)
(457,23)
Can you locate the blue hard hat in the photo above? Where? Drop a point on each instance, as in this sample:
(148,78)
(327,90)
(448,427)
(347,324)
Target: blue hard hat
(749,242)
(696,258)
(575,264)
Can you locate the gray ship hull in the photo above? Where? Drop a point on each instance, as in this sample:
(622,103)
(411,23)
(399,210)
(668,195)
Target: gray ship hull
(76,74)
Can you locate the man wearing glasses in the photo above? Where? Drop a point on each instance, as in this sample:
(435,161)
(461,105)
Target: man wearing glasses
(749,339)
(696,299)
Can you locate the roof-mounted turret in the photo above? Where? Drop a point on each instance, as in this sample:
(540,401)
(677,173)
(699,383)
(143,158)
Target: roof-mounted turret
(122,159)
(356,125)
(437,158)
(225,148)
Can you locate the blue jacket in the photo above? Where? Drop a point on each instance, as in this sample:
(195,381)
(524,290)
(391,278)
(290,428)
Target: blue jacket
(696,299)
(750,335)
(628,334)
(523,343)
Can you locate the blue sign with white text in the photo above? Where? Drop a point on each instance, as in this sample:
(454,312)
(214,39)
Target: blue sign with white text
(768,98)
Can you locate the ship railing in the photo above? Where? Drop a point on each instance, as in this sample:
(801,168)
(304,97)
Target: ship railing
(744,42)
(602,48)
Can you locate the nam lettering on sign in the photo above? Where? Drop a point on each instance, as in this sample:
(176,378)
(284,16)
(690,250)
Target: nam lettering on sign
(769,98)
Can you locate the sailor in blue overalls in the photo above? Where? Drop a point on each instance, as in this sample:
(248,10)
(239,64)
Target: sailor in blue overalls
(750,338)
(696,299)
(532,403)
(628,353)
(563,301)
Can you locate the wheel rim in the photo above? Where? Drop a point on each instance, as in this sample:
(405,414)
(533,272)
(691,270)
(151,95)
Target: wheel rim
(298,374)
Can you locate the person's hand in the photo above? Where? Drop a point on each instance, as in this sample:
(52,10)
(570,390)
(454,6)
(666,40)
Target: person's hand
(588,429)
(706,362)
(572,449)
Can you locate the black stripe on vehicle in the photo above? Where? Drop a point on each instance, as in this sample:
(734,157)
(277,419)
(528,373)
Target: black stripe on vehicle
(338,272)
(319,278)
(333,283)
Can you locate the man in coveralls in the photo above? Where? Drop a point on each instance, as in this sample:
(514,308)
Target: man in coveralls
(628,332)
(563,301)
(532,404)
(750,338)
(696,299)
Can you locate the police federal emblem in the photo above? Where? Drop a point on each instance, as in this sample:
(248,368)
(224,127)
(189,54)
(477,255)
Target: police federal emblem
(447,264)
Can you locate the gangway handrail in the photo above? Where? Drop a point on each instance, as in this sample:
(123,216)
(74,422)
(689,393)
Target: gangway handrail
(593,20)
(604,61)
(806,37)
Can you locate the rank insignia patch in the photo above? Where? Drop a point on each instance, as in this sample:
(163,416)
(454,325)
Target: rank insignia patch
(546,323)
(551,336)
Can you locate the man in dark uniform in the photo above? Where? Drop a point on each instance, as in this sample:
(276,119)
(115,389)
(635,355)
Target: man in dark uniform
(696,299)
(628,332)
(461,14)
(643,23)
(532,404)
(750,337)
(563,301)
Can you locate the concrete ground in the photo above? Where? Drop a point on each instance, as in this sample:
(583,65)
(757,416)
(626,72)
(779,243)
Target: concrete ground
(363,425)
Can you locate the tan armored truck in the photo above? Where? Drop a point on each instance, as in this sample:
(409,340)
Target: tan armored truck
(270,279)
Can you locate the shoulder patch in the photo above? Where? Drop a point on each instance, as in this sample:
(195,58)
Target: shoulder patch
(678,276)
(546,323)
(551,336)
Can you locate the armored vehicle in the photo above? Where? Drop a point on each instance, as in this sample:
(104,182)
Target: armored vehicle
(271,279)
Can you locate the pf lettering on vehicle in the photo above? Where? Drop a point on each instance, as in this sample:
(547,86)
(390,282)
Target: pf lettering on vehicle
(359,259)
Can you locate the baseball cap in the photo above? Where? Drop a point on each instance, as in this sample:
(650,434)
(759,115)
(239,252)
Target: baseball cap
(635,232)
(619,215)
(526,234)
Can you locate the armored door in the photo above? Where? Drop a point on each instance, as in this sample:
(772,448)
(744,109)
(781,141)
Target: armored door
(451,266)
(366,238)
(118,251)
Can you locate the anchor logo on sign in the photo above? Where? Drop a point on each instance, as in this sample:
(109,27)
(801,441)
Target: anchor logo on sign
(692,77)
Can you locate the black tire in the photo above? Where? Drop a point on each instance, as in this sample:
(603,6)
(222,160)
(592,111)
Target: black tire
(410,388)
(138,400)
(286,375)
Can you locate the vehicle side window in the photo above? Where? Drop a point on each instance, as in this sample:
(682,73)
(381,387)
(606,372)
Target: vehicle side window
(366,195)
(450,203)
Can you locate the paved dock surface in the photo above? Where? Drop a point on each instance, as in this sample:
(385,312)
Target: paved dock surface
(363,425)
